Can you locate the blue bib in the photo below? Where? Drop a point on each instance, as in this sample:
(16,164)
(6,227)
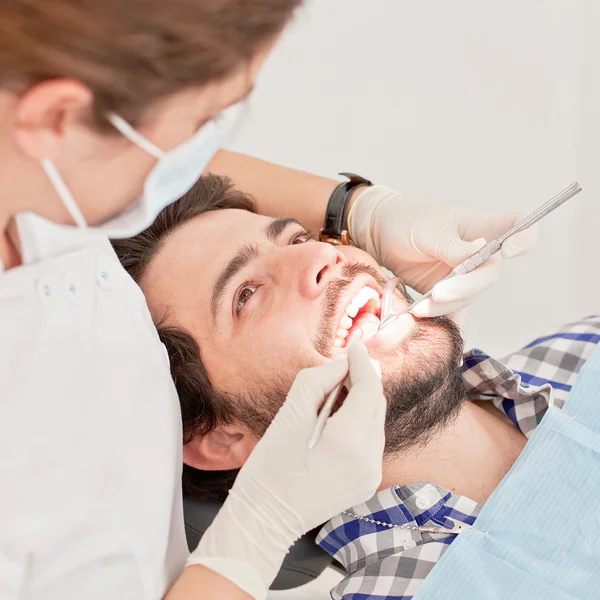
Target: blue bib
(543,520)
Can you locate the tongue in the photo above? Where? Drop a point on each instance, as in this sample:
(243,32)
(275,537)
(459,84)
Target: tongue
(365,326)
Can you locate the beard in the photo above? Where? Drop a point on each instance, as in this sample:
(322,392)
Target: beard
(426,395)
(423,396)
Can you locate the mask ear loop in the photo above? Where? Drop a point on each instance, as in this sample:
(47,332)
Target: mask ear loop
(125,129)
(59,184)
(63,192)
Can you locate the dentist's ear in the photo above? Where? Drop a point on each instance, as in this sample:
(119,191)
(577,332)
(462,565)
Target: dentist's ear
(225,447)
(43,115)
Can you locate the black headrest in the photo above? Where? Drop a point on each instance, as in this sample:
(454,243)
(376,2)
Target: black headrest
(305,561)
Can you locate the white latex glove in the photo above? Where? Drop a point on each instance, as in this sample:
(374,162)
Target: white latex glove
(284,489)
(421,242)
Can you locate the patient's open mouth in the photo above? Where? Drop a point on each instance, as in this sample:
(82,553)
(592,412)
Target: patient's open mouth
(365,306)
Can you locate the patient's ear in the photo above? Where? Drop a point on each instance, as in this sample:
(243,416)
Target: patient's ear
(225,447)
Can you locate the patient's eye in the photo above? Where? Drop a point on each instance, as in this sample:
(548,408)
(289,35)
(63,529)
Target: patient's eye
(244,294)
(300,238)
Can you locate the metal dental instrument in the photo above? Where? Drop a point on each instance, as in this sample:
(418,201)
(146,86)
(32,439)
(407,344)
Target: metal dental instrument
(471,263)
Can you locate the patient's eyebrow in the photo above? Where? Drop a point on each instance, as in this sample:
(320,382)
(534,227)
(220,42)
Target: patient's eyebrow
(243,257)
(275,228)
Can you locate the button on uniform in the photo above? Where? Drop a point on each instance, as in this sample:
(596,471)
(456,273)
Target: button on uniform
(71,287)
(45,289)
(104,279)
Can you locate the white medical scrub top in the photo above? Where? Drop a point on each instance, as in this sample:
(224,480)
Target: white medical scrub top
(90,427)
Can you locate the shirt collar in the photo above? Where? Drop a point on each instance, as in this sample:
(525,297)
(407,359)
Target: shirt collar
(489,379)
(356,543)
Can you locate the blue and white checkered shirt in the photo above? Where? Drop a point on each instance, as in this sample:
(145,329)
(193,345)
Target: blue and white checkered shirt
(390,563)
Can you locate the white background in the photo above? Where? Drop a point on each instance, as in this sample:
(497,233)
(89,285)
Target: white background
(486,104)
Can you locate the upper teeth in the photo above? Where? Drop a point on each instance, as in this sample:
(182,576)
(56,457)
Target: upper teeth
(365,294)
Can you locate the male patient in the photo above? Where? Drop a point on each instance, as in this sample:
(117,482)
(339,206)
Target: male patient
(243,302)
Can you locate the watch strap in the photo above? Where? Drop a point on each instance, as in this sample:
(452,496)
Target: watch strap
(334,229)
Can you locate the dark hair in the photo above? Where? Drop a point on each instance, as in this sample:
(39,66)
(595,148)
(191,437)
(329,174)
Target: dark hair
(202,406)
(133,52)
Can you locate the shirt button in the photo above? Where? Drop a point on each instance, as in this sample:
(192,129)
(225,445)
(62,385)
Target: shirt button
(104,279)
(427,497)
(45,289)
(421,503)
(71,287)
(72,292)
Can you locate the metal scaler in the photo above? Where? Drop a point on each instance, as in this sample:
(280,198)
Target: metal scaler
(471,263)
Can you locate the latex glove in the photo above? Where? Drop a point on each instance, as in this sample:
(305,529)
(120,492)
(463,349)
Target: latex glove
(284,489)
(421,242)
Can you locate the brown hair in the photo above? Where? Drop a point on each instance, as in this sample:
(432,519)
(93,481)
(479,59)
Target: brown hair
(202,406)
(133,52)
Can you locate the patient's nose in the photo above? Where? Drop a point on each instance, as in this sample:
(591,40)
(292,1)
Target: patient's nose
(309,267)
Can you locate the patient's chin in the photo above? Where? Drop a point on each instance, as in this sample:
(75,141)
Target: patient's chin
(425,388)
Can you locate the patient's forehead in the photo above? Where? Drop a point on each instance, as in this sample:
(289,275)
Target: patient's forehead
(181,275)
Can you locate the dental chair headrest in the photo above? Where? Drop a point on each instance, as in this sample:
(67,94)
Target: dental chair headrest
(304,562)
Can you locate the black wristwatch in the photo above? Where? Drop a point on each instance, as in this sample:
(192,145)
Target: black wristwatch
(334,229)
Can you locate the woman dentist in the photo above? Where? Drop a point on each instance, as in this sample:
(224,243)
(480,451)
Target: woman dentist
(109,111)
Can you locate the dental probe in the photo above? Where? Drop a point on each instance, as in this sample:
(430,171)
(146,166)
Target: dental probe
(471,263)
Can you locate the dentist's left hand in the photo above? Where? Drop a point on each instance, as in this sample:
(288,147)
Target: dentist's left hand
(284,489)
(421,242)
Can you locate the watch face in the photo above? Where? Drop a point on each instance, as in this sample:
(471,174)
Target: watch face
(342,240)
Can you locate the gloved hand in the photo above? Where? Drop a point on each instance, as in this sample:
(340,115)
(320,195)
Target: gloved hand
(284,489)
(421,242)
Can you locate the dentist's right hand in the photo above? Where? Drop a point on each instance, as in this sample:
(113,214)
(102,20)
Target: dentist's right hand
(284,489)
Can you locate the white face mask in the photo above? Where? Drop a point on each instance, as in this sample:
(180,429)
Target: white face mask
(174,174)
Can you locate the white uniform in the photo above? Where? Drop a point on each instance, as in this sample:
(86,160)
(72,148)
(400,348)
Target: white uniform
(90,427)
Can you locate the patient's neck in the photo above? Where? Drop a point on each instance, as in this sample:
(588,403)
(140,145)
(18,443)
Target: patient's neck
(468,457)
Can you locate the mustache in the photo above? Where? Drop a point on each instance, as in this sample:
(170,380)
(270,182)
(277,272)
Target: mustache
(332,297)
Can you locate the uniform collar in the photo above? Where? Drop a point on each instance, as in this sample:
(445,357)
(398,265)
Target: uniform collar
(39,239)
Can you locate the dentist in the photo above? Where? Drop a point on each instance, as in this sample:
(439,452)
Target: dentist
(109,111)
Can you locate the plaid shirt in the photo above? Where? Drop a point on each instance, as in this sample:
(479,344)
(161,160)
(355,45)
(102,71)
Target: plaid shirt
(391,564)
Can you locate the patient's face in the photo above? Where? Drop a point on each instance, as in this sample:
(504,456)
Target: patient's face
(264,301)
